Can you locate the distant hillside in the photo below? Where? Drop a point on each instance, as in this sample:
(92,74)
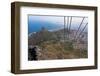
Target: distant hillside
(41,36)
(36,38)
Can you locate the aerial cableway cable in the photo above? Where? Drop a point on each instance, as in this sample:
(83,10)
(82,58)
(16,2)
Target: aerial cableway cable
(69,26)
(64,26)
(82,31)
(79,28)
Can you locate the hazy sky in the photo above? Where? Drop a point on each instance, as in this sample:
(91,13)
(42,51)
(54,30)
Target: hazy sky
(35,23)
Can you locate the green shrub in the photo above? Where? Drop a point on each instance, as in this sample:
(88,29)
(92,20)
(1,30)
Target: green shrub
(68,46)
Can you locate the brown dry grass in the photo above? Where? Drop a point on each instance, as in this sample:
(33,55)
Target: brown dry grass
(56,50)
